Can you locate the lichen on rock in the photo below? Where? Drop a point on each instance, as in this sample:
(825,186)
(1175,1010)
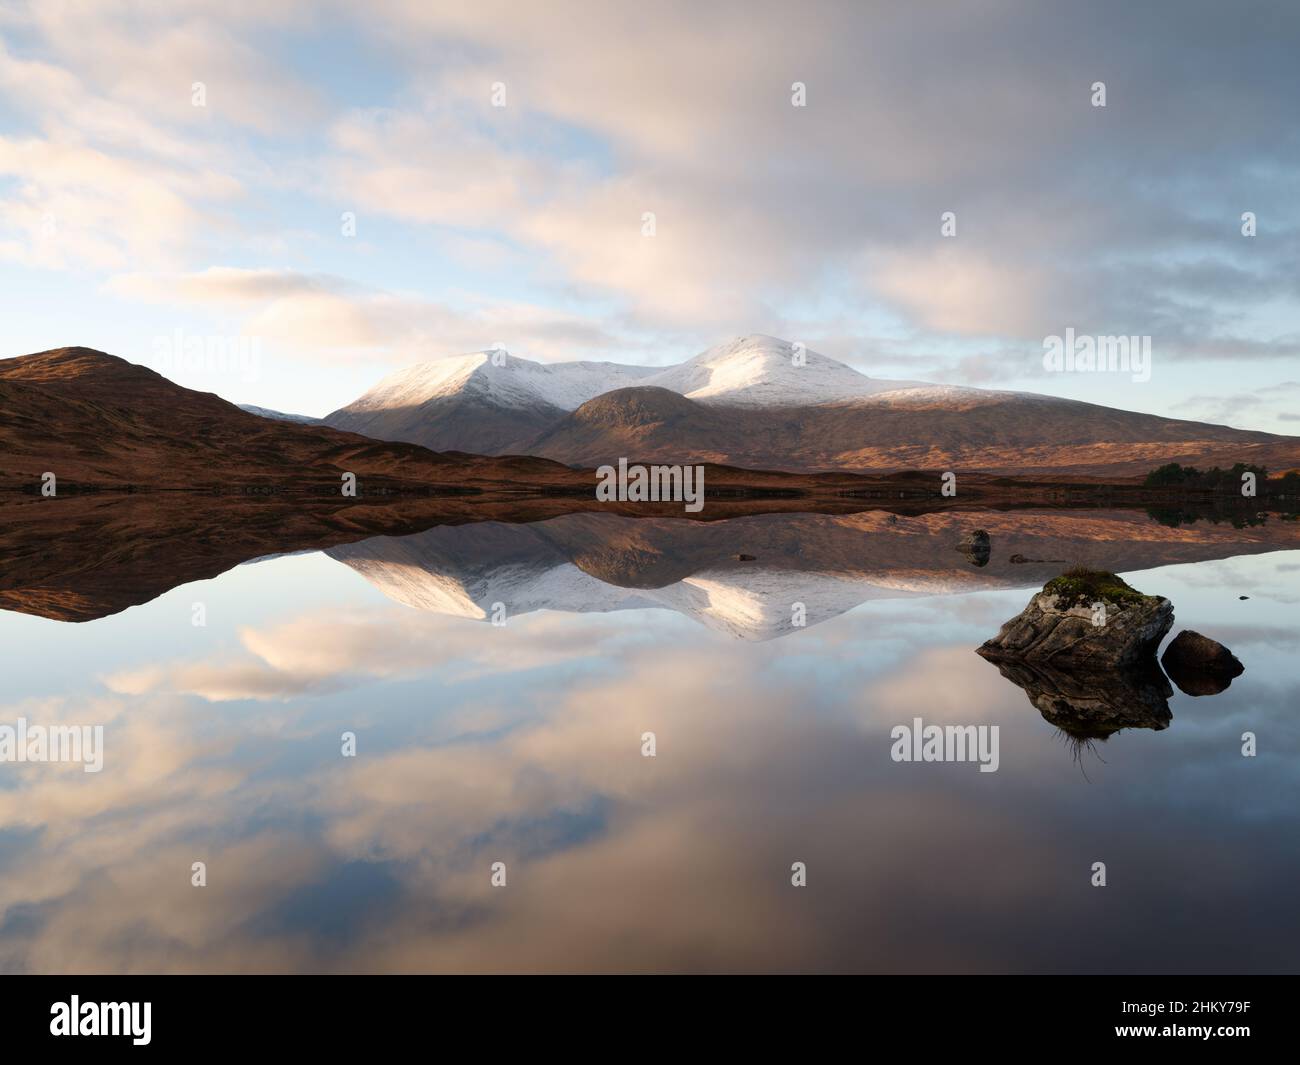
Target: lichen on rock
(1083,585)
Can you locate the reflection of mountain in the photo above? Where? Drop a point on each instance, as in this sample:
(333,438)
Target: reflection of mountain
(583,563)
(84,557)
(827,563)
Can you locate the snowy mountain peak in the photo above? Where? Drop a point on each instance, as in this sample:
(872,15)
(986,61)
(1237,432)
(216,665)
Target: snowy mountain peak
(413,385)
(764,371)
(752,371)
(503,379)
(279,415)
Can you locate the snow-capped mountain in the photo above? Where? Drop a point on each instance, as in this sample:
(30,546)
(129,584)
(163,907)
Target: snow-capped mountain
(501,378)
(762,371)
(753,371)
(488,402)
(761,402)
(279,415)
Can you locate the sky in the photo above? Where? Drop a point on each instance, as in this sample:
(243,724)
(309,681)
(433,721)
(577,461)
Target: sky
(283,202)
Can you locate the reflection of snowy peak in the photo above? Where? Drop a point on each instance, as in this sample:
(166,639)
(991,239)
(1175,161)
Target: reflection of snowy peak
(761,604)
(464,570)
(829,564)
(811,568)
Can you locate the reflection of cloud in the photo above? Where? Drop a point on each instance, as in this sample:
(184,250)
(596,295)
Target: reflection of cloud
(615,861)
(970,694)
(145,750)
(328,652)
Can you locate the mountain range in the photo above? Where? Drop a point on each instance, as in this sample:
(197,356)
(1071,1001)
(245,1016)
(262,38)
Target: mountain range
(761,420)
(764,403)
(100,423)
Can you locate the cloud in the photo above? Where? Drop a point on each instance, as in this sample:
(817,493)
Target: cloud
(1115,220)
(954,290)
(323,316)
(1239,408)
(131,212)
(111,163)
(758,203)
(145,62)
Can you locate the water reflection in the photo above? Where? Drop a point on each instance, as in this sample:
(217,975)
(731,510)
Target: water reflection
(522,743)
(764,576)
(1094,705)
(741,575)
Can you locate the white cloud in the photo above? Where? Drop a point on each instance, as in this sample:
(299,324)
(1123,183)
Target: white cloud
(327,318)
(1122,220)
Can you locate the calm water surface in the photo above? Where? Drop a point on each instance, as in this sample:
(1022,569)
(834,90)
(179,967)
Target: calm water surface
(522,743)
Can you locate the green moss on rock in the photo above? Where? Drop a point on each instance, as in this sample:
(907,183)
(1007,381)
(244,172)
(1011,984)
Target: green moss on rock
(1081,586)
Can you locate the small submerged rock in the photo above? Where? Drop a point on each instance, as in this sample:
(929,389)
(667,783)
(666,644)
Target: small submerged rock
(1199,665)
(1085,619)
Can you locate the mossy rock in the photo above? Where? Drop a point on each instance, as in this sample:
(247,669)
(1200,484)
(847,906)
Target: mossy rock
(1061,625)
(1082,586)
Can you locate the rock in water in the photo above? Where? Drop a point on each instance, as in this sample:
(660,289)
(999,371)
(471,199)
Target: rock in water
(1085,619)
(975,547)
(1199,665)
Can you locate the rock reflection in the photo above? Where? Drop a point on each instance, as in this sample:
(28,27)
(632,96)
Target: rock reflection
(1092,705)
